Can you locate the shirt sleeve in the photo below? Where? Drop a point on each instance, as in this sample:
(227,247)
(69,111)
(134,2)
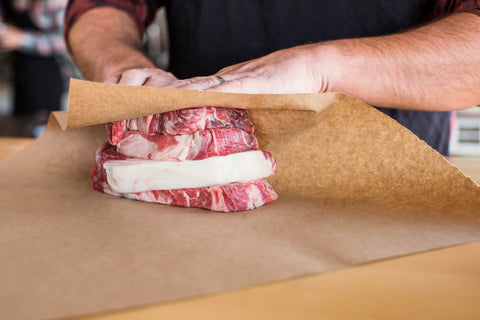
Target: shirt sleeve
(48,16)
(141,11)
(43,43)
(441,8)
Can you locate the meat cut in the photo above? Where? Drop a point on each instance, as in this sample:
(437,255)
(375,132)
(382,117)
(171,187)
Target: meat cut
(137,175)
(202,157)
(191,146)
(232,197)
(182,122)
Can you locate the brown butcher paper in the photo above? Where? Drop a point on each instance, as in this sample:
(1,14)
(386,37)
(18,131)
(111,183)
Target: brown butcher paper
(354,186)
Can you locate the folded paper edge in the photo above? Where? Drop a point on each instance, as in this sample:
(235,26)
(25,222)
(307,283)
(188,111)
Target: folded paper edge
(78,115)
(62,118)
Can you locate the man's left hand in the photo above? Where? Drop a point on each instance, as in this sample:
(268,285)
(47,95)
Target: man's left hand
(293,70)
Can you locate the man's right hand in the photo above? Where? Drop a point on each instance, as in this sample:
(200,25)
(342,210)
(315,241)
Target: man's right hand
(114,54)
(151,77)
(106,46)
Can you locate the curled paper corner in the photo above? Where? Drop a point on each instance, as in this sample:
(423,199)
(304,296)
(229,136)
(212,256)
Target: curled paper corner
(61,117)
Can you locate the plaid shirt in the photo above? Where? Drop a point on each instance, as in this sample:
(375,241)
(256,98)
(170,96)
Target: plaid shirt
(143,11)
(48,16)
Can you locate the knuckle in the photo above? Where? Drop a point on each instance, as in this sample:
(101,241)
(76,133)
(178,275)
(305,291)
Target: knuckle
(212,82)
(170,75)
(131,72)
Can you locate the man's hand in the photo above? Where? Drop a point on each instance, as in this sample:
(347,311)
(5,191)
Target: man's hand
(114,54)
(106,46)
(151,77)
(11,38)
(291,70)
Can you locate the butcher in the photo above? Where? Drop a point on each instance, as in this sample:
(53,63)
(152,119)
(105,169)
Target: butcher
(416,60)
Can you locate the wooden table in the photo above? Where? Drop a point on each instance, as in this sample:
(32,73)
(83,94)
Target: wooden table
(9,146)
(440,284)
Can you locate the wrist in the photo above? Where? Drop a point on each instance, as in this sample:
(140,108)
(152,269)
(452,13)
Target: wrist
(328,66)
(134,61)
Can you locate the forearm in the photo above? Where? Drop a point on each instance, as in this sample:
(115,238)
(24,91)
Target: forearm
(434,67)
(104,42)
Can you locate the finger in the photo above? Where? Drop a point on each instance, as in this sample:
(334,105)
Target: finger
(134,77)
(178,83)
(201,83)
(112,79)
(242,85)
(161,80)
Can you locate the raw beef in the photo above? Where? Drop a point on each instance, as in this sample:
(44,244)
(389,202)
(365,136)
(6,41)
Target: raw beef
(191,146)
(182,122)
(232,197)
(204,157)
(105,153)
(128,174)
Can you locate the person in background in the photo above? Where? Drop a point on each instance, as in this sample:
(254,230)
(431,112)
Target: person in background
(32,32)
(414,59)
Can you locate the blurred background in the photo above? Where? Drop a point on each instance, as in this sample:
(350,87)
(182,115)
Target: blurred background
(35,66)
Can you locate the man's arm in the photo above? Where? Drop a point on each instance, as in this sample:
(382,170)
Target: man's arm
(106,46)
(434,67)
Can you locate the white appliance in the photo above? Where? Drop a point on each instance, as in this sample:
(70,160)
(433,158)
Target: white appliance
(465,134)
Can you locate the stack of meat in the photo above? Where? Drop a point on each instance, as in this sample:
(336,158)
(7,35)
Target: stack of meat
(201,157)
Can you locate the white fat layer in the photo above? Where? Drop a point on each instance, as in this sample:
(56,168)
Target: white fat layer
(137,175)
